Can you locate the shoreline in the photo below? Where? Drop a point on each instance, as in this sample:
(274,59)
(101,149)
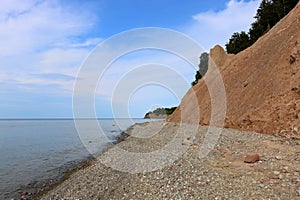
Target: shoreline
(222,173)
(48,185)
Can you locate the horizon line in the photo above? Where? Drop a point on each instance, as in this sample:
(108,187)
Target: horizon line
(83,118)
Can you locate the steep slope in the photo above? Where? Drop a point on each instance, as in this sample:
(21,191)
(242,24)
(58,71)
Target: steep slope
(262,83)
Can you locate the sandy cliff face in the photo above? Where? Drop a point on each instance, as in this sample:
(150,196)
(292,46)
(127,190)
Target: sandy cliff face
(262,83)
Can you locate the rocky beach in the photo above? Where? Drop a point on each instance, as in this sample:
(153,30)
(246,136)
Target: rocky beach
(75,91)
(256,155)
(222,174)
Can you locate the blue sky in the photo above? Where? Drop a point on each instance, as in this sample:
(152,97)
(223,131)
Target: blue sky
(45,43)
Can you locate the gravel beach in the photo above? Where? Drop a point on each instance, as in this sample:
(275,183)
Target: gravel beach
(133,169)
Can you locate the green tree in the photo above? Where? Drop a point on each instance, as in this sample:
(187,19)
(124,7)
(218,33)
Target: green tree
(267,15)
(161,111)
(203,67)
(238,42)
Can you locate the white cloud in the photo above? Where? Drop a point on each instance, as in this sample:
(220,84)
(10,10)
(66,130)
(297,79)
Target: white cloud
(45,37)
(211,28)
(127,66)
(65,61)
(208,28)
(53,61)
(39,37)
(36,25)
(90,42)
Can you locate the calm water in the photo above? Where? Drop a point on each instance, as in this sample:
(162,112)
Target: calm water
(35,151)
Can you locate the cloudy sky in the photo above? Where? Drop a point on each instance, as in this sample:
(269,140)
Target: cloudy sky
(45,44)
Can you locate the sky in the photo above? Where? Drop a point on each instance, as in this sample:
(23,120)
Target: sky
(47,44)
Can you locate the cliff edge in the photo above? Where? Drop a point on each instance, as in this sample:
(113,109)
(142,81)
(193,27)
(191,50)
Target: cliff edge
(262,83)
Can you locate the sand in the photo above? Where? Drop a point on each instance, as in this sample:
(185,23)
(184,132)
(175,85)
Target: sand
(132,170)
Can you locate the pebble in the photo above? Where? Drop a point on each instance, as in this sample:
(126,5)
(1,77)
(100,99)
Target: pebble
(273,176)
(278,157)
(280,176)
(191,177)
(285,169)
(251,158)
(276,172)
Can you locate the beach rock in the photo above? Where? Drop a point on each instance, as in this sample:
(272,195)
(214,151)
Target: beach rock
(251,158)
(273,176)
(276,172)
(280,176)
(278,157)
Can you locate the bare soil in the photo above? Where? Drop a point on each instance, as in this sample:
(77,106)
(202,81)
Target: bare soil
(262,84)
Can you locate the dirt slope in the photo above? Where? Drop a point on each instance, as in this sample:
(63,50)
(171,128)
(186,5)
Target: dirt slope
(262,83)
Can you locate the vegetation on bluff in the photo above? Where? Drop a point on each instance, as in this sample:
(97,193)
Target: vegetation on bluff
(203,67)
(160,112)
(268,14)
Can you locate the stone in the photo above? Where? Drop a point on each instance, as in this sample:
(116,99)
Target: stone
(278,157)
(280,176)
(292,59)
(276,172)
(285,169)
(273,176)
(245,84)
(251,158)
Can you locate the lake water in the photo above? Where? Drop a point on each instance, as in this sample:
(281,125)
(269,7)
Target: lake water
(34,152)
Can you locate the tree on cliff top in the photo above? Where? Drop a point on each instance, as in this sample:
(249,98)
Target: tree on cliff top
(203,67)
(238,42)
(268,14)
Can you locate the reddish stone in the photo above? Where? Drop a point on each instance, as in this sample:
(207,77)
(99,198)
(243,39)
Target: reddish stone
(273,176)
(251,158)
